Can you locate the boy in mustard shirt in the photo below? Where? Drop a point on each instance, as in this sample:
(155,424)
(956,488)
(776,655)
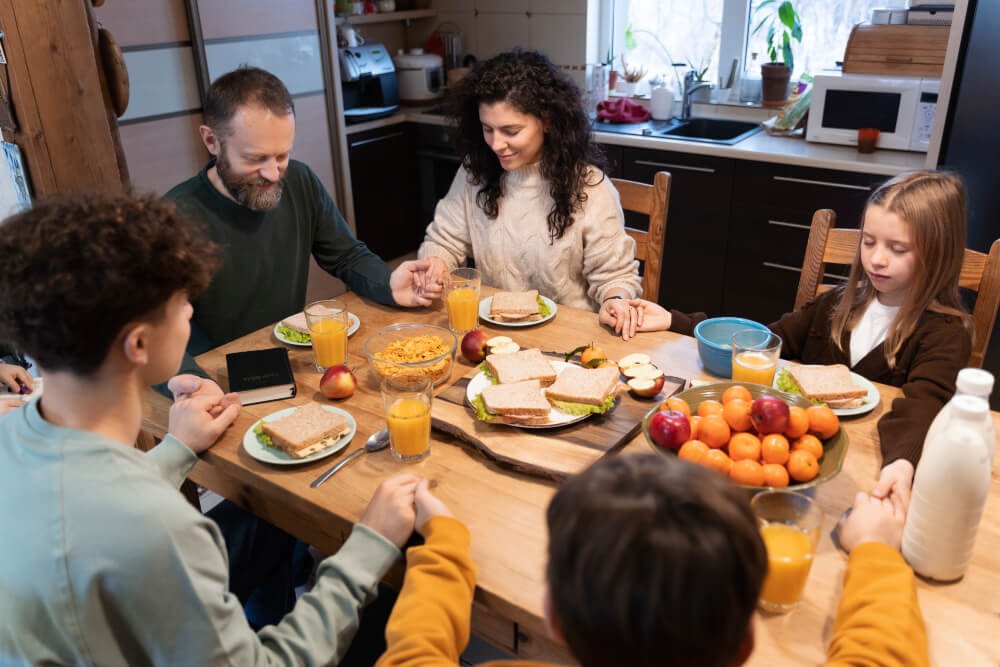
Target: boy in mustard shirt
(656,561)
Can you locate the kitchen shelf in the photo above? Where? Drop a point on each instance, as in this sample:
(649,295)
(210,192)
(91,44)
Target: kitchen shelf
(387,17)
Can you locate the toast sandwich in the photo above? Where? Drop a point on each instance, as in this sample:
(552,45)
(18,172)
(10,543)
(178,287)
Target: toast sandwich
(517,402)
(515,306)
(832,385)
(578,386)
(519,366)
(306,431)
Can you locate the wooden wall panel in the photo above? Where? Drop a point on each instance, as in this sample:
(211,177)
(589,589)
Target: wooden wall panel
(312,137)
(140,22)
(162,153)
(237,18)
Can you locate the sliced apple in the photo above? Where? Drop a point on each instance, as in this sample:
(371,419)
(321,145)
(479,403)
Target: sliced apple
(635,359)
(645,387)
(505,348)
(498,340)
(648,371)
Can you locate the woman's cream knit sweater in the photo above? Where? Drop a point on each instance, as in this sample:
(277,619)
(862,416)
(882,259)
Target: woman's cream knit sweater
(514,252)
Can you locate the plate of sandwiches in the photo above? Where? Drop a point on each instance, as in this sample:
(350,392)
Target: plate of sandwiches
(517,309)
(527,390)
(294,330)
(836,386)
(299,435)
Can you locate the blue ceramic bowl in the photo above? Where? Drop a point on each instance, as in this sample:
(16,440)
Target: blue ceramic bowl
(715,337)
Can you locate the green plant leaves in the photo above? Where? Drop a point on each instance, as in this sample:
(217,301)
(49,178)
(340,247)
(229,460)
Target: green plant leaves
(630,42)
(783,26)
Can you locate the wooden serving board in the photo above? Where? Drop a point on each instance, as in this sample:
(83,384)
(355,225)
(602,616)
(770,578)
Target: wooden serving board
(552,452)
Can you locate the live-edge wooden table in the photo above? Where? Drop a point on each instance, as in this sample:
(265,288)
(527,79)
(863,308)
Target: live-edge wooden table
(505,510)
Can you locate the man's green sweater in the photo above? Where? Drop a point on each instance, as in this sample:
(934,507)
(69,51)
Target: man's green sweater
(266,256)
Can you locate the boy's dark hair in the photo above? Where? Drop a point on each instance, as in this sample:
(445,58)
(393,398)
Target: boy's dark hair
(78,269)
(244,86)
(653,561)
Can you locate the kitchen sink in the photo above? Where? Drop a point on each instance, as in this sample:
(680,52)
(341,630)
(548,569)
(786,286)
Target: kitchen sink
(713,130)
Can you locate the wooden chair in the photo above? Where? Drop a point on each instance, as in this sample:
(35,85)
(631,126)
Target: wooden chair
(830,245)
(651,200)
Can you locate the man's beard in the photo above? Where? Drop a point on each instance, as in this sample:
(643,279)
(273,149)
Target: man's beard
(246,190)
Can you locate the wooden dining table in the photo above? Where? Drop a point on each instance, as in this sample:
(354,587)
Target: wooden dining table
(505,508)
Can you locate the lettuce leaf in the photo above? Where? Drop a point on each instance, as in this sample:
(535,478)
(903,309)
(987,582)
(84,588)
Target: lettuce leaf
(488,373)
(543,308)
(479,405)
(786,384)
(293,335)
(262,438)
(584,408)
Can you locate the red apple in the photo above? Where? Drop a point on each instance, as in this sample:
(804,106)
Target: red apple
(769,414)
(338,382)
(474,346)
(645,387)
(669,429)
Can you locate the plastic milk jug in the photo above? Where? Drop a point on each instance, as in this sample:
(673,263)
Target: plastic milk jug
(949,491)
(972,382)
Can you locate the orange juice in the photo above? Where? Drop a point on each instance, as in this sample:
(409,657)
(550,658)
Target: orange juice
(789,557)
(757,367)
(463,309)
(329,341)
(409,427)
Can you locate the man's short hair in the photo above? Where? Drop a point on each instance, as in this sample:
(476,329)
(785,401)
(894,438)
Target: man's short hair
(78,269)
(243,87)
(653,561)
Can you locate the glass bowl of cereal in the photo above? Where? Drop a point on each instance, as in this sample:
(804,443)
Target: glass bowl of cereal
(412,350)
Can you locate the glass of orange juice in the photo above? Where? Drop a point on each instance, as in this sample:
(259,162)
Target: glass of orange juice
(755,356)
(462,299)
(790,527)
(327,321)
(407,403)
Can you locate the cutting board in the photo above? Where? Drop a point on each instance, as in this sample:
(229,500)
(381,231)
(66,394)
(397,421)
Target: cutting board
(555,453)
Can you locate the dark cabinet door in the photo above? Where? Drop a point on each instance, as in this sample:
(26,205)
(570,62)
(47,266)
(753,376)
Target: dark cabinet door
(437,164)
(385,189)
(616,159)
(694,254)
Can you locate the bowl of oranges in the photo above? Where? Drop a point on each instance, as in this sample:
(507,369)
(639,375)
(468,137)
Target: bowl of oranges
(759,437)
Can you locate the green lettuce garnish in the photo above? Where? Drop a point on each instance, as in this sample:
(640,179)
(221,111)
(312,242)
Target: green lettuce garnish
(584,408)
(543,308)
(488,373)
(293,335)
(479,405)
(785,383)
(262,438)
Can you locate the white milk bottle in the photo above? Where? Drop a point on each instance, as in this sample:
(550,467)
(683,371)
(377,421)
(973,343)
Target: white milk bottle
(971,382)
(949,491)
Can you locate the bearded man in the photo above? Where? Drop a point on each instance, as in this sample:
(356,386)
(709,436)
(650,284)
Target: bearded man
(269,213)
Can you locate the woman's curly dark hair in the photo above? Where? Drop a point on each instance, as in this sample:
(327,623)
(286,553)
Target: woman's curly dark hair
(528,81)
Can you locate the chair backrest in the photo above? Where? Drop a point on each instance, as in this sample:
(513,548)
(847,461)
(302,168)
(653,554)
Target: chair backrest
(830,245)
(651,200)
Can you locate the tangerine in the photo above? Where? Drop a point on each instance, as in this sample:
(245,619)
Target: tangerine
(774,449)
(737,391)
(694,421)
(809,443)
(590,354)
(744,446)
(709,407)
(678,404)
(718,460)
(798,422)
(802,465)
(823,421)
(737,414)
(693,450)
(747,472)
(775,475)
(713,431)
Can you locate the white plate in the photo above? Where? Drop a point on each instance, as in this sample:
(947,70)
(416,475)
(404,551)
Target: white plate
(354,323)
(278,457)
(484,313)
(871,400)
(36,384)
(556,417)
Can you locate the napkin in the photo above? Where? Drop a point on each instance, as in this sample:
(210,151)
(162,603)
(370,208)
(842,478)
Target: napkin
(622,110)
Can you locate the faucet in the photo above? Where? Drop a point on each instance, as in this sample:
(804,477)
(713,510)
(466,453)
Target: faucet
(689,89)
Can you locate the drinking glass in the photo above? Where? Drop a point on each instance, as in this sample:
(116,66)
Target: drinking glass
(328,321)
(755,356)
(407,403)
(789,524)
(462,299)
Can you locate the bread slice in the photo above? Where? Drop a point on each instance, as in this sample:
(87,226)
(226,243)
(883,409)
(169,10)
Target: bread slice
(515,306)
(832,385)
(522,365)
(520,401)
(296,322)
(306,431)
(590,386)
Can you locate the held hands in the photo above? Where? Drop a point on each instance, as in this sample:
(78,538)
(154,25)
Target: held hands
(895,481)
(15,378)
(187,386)
(873,520)
(399,504)
(427,505)
(630,316)
(416,282)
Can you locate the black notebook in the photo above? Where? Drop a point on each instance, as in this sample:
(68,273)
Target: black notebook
(261,375)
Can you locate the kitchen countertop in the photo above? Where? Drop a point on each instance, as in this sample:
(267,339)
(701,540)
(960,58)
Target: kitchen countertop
(760,147)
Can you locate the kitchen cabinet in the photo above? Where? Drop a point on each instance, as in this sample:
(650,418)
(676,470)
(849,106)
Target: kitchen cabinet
(616,159)
(437,164)
(385,193)
(772,208)
(694,255)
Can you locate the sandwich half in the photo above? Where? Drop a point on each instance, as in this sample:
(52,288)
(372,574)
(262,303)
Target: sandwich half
(519,366)
(581,391)
(517,402)
(832,385)
(515,306)
(295,328)
(308,430)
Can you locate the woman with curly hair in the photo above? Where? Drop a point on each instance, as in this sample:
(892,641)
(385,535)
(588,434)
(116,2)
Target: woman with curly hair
(530,202)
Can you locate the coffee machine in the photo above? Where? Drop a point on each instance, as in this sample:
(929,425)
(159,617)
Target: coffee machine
(369,82)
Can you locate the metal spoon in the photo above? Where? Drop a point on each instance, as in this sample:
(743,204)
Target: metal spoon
(376,441)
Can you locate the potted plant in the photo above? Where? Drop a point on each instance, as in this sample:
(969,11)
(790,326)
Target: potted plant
(781,21)
(632,76)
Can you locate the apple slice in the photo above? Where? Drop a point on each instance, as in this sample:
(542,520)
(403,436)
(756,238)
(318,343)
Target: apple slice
(646,387)
(635,359)
(648,371)
(498,340)
(505,348)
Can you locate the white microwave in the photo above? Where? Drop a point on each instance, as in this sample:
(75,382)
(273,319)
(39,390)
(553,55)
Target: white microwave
(902,108)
